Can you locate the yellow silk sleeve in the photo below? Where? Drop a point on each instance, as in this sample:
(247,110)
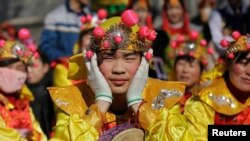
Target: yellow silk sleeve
(199,115)
(60,76)
(38,134)
(76,128)
(164,124)
(7,134)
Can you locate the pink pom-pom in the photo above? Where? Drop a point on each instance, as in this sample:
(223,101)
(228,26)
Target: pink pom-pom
(98,32)
(203,42)
(129,18)
(181,53)
(210,50)
(180,39)
(193,35)
(191,53)
(89,54)
(36,65)
(24,34)
(151,36)
(230,55)
(19,52)
(32,47)
(83,19)
(148,56)
(2,43)
(102,14)
(236,35)
(173,44)
(118,39)
(224,43)
(36,55)
(204,62)
(106,44)
(88,18)
(27,54)
(248,46)
(143,31)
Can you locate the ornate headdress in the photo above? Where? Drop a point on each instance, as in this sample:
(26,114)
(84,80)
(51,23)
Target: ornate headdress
(24,50)
(240,43)
(121,33)
(192,46)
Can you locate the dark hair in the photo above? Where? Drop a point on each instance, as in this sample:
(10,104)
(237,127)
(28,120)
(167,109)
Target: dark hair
(9,61)
(239,56)
(83,33)
(131,3)
(167,1)
(43,57)
(189,59)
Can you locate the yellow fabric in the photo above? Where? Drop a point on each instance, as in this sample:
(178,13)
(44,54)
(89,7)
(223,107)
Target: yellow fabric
(77,68)
(219,88)
(60,74)
(26,93)
(75,121)
(199,115)
(200,111)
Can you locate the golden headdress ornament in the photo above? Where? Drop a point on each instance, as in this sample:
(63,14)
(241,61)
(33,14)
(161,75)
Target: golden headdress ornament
(240,43)
(174,3)
(121,33)
(25,49)
(192,46)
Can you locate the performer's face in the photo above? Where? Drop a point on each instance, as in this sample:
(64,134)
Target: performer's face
(239,73)
(118,68)
(174,13)
(188,71)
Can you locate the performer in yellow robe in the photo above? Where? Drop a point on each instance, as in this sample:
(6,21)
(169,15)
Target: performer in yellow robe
(226,100)
(119,100)
(17,121)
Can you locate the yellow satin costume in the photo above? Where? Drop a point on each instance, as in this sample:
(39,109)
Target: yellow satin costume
(216,98)
(78,118)
(11,134)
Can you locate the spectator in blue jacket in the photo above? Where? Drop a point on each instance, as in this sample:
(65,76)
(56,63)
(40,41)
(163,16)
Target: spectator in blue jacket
(61,28)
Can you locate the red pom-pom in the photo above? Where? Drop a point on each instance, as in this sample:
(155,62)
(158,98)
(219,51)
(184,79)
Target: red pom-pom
(180,39)
(210,50)
(181,53)
(129,18)
(24,34)
(203,42)
(204,62)
(151,36)
(143,31)
(83,19)
(193,35)
(102,14)
(248,46)
(2,43)
(230,55)
(32,47)
(148,56)
(118,39)
(98,32)
(106,44)
(36,55)
(19,52)
(236,35)
(88,18)
(53,64)
(173,44)
(224,43)
(191,53)
(89,54)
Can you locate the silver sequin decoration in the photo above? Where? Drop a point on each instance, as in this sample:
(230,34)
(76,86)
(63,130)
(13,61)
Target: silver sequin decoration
(159,101)
(222,100)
